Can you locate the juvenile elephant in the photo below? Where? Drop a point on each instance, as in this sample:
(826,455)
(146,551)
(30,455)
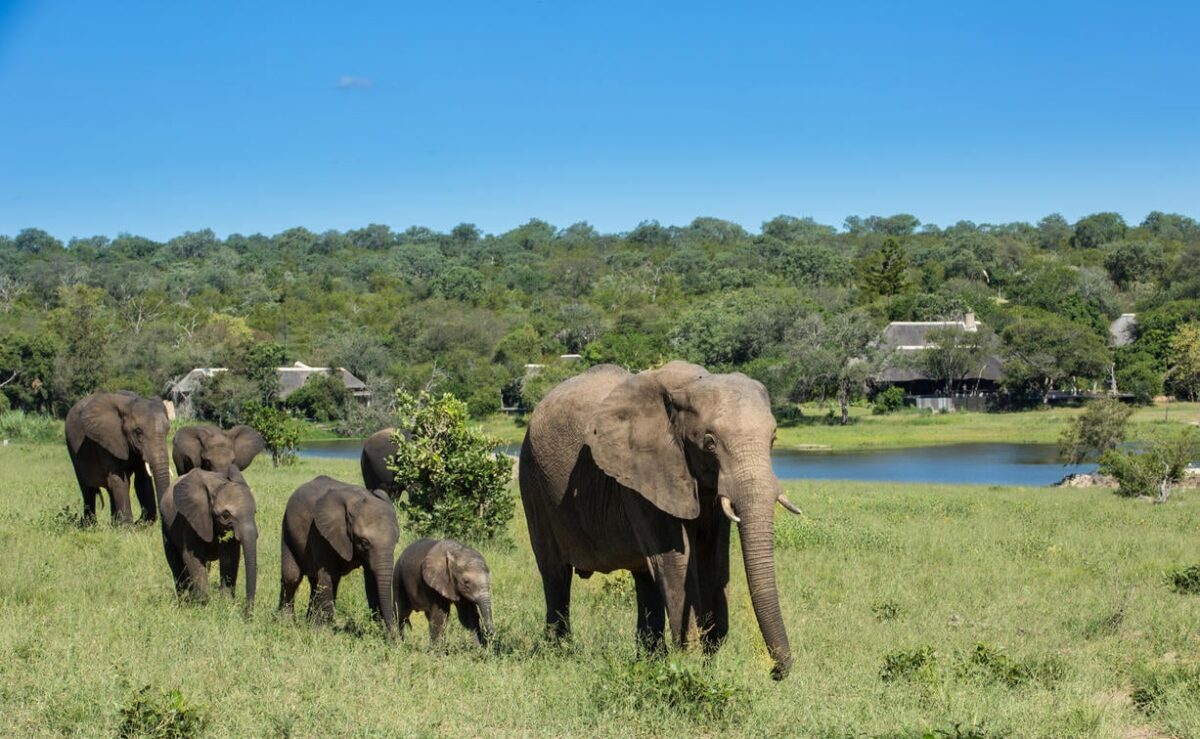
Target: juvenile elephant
(207,516)
(432,574)
(114,440)
(330,528)
(645,473)
(377,450)
(211,448)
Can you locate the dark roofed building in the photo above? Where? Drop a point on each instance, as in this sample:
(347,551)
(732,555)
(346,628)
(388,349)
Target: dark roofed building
(906,337)
(291,379)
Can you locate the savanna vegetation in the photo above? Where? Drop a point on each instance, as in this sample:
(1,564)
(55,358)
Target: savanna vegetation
(913,610)
(796,305)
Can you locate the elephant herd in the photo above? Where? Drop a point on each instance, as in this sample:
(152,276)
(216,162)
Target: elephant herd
(642,472)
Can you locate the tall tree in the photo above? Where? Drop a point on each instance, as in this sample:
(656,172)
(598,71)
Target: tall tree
(1184,373)
(834,356)
(1041,352)
(884,271)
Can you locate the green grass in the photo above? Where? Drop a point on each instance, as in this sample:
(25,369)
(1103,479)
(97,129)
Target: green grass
(1030,612)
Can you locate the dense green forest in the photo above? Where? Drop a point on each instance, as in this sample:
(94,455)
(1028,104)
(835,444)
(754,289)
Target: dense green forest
(463,311)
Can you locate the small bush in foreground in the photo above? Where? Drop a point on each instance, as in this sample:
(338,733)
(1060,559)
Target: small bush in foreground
(673,684)
(280,431)
(996,666)
(165,715)
(905,665)
(1100,428)
(1152,472)
(885,610)
(888,401)
(1185,580)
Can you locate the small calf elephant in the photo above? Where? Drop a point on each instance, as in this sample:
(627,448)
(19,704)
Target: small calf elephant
(431,574)
(329,529)
(211,448)
(207,516)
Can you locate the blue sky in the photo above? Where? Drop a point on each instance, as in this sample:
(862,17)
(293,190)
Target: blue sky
(163,117)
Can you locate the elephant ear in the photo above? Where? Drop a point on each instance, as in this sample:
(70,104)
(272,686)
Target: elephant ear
(632,440)
(435,571)
(247,443)
(101,419)
(333,523)
(186,448)
(193,498)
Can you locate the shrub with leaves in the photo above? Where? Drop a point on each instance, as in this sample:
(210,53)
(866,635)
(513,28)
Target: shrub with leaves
(280,431)
(1153,470)
(1098,429)
(1185,580)
(674,684)
(888,401)
(457,483)
(907,664)
(165,715)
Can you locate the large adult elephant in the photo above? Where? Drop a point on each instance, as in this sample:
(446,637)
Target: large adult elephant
(115,440)
(644,472)
(213,449)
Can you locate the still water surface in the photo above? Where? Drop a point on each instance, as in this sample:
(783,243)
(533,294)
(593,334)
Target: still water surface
(979,464)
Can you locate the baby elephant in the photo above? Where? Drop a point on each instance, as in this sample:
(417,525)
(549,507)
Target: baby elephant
(329,529)
(431,574)
(207,516)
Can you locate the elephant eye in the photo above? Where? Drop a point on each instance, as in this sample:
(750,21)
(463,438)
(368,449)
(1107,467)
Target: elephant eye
(710,442)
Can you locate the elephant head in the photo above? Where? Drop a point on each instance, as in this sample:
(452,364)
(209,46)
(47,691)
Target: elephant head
(459,573)
(216,506)
(130,428)
(361,527)
(210,448)
(671,432)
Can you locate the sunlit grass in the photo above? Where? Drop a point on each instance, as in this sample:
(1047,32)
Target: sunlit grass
(1066,590)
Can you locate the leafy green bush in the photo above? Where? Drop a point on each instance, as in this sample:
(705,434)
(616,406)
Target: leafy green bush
(280,431)
(22,426)
(885,610)
(1098,429)
(1185,579)
(457,483)
(165,715)
(888,401)
(1152,471)
(906,665)
(996,666)
(323,397)
(673,685)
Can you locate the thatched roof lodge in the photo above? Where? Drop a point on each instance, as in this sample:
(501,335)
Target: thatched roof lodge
(905,337)
(291,379)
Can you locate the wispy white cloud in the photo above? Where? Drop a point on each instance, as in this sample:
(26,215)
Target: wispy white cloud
(350,82)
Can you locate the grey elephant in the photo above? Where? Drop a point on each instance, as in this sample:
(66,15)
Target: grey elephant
(116,440)
(213,449)
(377,450)
(646,472)
(329,529)
(431,575)
(208,516)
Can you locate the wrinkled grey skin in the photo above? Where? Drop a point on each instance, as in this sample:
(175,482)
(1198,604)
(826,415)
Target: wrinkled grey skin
(330,528)
(431,575)
(623,471)
(377,450)
(207,516)
(111,438)
(210,448)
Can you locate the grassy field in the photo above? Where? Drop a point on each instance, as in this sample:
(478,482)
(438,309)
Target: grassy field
(912,610)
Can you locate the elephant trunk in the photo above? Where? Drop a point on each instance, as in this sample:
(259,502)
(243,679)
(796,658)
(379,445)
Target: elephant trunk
(381,570)
(160,469)
(485,615)
(249,539)
(752,487)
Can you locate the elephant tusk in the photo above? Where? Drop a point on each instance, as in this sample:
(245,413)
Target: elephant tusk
(783,501)
(727,509)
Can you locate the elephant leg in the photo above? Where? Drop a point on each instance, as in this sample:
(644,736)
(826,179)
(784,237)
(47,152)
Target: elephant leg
(197,574)
(89,503)
(401,607)
(229,556)
(712,562)
(556,586)
(650,620)
(118,491)
(675,576)
(175,562)
(324,591)
(468,616)
(437,621)
(144,488)
(289,579)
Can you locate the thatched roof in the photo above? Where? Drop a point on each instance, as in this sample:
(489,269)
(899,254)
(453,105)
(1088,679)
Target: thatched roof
(291,379)
(913,336)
